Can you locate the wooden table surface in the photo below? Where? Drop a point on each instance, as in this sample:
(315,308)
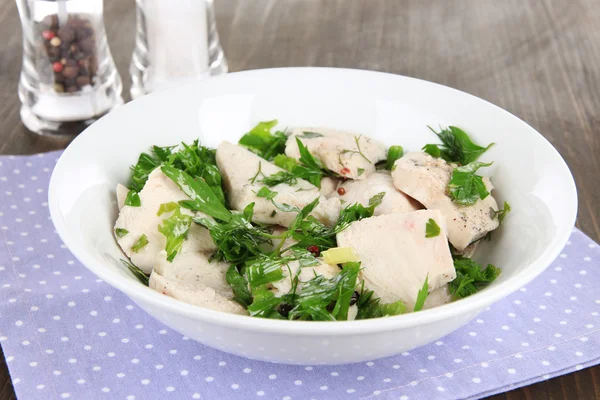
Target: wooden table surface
(538,59)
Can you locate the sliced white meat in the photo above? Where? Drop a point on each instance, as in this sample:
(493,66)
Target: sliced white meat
(350,155)
(143,220)
(396,256)
(469,251)
(328,186)
(242,171)
(393,202)
(192,279)
(121,195)
(438,297)
(426,178)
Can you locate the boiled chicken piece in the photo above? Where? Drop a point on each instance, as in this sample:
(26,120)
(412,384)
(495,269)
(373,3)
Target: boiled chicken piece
(350,155)
(242,172)
(121,195)
(469,251)
(396,256)
(328,186)
(143,220)
(438,297)
(426,178)
(393,202)
(192,279)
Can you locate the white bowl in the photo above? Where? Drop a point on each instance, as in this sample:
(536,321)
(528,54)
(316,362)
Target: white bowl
(527,171)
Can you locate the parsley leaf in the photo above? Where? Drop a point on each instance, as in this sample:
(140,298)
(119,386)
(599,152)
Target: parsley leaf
(140,171)
(501,214)
(465,187)
(360,171)
(285,162)
(203,198)
(320,293)
(237,240)
(263,142)
(138,273)
(456,146)
(356,212)
(310,135)
(433,150)
(394,153)
(263,304)
(470,277)
(422,295)
(120,232)
(311,169)
(371,307)
(140,244)
(239,285)
(280,177)
(432,229)
(266,269)
(133,199)
(175,229)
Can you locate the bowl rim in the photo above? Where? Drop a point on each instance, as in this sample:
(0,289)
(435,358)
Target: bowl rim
(145,295)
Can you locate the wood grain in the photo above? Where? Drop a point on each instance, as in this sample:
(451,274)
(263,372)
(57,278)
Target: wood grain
(540,60)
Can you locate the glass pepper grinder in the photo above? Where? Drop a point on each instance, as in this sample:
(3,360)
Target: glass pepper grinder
(68,78)
(176,40)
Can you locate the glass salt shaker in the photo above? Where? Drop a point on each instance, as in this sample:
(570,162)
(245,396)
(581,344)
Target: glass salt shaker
(68,78)
(176,40)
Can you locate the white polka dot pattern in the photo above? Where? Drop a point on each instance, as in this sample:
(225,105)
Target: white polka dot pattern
(66,334)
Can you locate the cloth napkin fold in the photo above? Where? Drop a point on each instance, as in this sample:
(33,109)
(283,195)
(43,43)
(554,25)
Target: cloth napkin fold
(67,334)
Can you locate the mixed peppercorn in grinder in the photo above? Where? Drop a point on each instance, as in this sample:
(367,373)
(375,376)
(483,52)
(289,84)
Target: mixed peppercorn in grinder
(68,79)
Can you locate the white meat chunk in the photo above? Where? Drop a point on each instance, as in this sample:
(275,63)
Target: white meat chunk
(192,279)
(143,220)
(242,171)
(394,201)
(396,256)
(350,155)
(438,297)
(328,186)
(426,178)
(121,195)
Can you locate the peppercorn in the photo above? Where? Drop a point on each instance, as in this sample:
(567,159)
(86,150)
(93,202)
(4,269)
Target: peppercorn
(314,250)
(48,35)
(57,66)
(284,309)
(55,41)
(70,71)
(341,191)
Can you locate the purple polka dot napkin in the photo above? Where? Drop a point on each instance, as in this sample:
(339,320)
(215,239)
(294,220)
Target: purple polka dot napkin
(67,334)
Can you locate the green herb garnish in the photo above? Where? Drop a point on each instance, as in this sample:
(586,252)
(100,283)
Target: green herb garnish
(280,177)
(432,229)
(285,162)
(175,229)
(501,214)
(456,146)
(237,240)
(138,273)
(422,295)
(360,171)
(133,199)
(371,307)
(203,198)
(394,153)
(465,187)
(239,285)
(120,232)
(470,277)
(263,142)
(310,135)
(140,244)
